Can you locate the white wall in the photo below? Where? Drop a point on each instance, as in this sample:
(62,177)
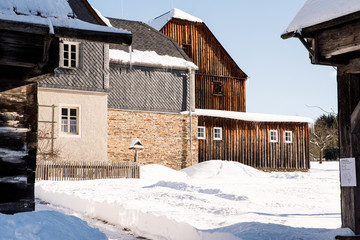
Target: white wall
(91,142)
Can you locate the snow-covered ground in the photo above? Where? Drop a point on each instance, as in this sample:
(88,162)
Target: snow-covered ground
(46,225)
(211,200)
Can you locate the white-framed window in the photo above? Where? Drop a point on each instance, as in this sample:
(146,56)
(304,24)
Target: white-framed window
(69,54)
(70,120)
(217,133)
(201,133)
(273,136)
(288,137)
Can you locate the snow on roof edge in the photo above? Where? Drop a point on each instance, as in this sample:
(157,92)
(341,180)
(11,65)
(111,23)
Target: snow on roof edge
(254,117)
(316,12)
(104,19)
(150,58)
(159,22)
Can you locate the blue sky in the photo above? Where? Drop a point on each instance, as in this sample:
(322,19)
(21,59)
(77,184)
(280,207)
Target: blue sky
(281,78)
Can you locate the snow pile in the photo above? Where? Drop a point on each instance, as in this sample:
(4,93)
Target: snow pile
(255,117)
(212,200)
(159,22)
(46,225)
(50,13)
(150,58)
(318,11)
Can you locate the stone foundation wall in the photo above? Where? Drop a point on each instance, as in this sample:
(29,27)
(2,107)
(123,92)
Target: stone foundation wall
(165,137)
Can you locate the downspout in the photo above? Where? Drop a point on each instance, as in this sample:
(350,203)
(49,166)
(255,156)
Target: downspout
(191,107)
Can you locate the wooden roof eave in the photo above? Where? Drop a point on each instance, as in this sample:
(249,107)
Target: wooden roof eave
(94,36)
(91,9)
(90,35)
(309,31)
(241,72)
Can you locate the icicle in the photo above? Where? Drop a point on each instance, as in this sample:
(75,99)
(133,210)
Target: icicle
(130,52)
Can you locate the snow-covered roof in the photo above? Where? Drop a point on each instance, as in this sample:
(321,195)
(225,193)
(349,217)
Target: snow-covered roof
(159,22)
(254,117)
(319,11)
(150,58)
(52,13)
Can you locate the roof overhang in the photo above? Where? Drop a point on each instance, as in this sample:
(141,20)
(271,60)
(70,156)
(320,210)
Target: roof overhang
(308,31)
(67,32)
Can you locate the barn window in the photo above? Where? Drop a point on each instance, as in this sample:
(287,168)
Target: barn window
(69,55)
(288,136)
(217,89)
(70,120)
(187,49)
(201,133)
(217,133)
(273,136)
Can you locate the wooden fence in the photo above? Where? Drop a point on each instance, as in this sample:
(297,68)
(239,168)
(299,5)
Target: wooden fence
(74,171)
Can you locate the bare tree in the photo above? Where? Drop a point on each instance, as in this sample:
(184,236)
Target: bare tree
(325,135)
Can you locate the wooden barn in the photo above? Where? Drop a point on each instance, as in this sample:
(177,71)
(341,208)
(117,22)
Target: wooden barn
(219,82)
(331,33)
(267,142)
(29,47)
(220,86)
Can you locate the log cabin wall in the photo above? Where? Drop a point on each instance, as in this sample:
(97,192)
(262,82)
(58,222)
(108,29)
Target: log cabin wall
(249,143)
(18,125)
(215,66)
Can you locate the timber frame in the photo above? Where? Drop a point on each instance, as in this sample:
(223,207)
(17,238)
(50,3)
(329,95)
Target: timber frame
(337,43)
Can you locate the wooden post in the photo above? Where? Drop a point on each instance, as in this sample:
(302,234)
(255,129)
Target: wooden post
(348,98)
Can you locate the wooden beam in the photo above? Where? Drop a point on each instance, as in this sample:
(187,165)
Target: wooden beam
(94,36)
(342,50)
(8,62)
(353,67)
(355,120)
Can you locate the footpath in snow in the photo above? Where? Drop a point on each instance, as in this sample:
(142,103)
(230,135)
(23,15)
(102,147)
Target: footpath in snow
(211,200)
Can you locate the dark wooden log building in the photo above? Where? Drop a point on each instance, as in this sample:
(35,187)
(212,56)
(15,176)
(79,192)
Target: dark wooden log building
(334,39)
(29,51)
(220,85)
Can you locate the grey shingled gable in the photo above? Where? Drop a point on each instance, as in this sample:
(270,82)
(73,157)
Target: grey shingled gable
(82,12)
(146,38)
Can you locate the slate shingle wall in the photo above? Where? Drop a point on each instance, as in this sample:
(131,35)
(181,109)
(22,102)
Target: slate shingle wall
(91,75)
(148,89)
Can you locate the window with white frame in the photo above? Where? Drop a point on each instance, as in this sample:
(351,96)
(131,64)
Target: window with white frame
(70,120)
(288,136)
(273,136)
(201,133)
(217,133)
(69,52)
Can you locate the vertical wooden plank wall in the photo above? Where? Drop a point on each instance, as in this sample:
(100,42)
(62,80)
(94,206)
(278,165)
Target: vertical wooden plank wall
(215,65)
(249,143)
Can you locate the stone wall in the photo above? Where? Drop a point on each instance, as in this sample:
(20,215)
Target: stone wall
(165,137)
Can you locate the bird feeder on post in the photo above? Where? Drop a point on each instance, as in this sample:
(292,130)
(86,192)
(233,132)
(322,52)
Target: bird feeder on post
(137,146)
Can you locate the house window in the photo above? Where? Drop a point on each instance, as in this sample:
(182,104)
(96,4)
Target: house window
(70,120)
(69,55)
(273,136)
(217,89)
(217,133)
(201,133)
(288,136)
